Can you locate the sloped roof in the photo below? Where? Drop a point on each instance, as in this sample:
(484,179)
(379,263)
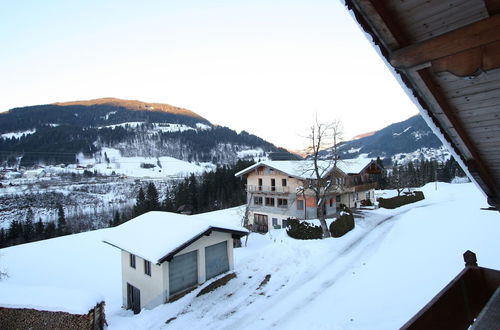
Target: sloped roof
(446,55)
(156,236)
(303,169)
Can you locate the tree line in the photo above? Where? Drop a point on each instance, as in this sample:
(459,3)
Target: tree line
(210,191)
(28,230)
(419,173)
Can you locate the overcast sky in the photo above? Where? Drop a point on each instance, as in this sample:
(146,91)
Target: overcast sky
(264,66)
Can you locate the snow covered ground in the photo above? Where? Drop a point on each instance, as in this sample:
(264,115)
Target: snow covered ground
(375,277)
(141,167)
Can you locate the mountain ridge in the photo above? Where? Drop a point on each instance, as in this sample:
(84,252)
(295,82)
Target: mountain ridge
(134,105)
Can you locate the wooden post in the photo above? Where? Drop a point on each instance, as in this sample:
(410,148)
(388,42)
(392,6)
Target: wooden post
(470,259)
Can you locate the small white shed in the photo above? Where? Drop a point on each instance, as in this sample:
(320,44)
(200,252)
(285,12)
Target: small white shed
(165,254)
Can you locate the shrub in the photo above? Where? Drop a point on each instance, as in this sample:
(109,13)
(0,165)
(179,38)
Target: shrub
(343,224)
(366,202)
(394,202)
(303,230)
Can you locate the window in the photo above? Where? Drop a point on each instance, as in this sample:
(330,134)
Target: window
(284,223)
(257,200)
(132,260)
(282,202)
(260,184)
(275,221)
(283,182)
(331,202)
(337,198)
(269,201)
(300,204)
(147,267)
(367,195)
(273,184)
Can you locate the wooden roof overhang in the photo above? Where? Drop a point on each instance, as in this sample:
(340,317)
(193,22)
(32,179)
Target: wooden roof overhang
(447,52)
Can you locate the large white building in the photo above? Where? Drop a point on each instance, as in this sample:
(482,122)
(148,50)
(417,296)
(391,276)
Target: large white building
(275,189)
(164,254)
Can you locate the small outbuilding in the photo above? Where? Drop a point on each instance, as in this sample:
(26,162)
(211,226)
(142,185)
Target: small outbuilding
(165,254)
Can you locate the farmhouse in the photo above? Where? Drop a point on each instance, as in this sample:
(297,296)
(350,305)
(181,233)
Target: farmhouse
(277,190)
(165,254)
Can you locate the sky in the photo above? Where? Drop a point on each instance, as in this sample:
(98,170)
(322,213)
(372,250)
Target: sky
(267,67)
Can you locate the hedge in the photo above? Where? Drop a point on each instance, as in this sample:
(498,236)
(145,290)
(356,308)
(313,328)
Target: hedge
(303,230)
(343,224)
(394,202)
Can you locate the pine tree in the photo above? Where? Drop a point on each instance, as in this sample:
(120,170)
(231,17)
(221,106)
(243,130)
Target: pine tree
(116,220)
(14,231)
(152,200)
(140,206)
(29,228)
(3,238)
(50,230)
(61,221)
(39,229)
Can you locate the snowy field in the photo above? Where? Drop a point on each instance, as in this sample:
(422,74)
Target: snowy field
(131,166)
(375,277)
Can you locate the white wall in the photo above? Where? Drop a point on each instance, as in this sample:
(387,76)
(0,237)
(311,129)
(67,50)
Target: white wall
(155,288)
(152,289)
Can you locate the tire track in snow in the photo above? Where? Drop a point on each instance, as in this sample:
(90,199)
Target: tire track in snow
(374,237)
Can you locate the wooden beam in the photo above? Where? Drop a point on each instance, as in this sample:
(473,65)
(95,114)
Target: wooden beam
(475,164)
(470,62)
(493,6)
(468,37)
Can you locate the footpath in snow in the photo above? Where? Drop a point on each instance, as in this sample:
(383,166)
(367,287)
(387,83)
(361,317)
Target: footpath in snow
(375,277)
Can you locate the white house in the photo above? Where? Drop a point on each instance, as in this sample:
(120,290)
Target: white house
(165,254)
(277,190)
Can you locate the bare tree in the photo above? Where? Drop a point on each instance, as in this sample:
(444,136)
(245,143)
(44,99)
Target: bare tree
(322,170)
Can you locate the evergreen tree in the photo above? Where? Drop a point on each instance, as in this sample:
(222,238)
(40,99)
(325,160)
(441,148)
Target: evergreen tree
(50,230)
(29,228)
(116,220)
(14,231)
(3,238)
(168,204)
(152,200)
(61,221)
(39,229)
(140,206)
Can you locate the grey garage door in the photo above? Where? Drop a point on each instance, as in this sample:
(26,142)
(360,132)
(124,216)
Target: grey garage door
(183,272)
(216,260)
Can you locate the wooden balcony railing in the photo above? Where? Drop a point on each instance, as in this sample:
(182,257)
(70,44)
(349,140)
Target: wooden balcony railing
(268,189)
(460,303)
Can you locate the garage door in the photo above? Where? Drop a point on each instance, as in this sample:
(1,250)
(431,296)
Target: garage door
(183,272)
(216,260)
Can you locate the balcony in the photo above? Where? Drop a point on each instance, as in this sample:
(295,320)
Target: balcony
(268,189)
(365,186)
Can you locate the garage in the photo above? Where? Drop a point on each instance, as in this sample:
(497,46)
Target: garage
(183,272)
(163,255)
(216,259)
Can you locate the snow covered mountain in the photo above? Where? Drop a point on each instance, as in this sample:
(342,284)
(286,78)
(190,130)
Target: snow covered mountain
(92,156)
(403,142)
(58,133)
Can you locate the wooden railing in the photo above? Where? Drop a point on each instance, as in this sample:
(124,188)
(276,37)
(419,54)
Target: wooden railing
(365,186)
(268,189)
(461,301)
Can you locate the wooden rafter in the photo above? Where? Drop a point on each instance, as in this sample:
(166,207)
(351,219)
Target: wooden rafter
(475,164)
(463,39)
(493,6)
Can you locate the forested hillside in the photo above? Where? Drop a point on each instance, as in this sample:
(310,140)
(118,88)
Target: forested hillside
(56,133)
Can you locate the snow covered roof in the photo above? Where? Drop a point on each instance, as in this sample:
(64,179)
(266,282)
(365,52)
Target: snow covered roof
(157,236)
(302,169)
